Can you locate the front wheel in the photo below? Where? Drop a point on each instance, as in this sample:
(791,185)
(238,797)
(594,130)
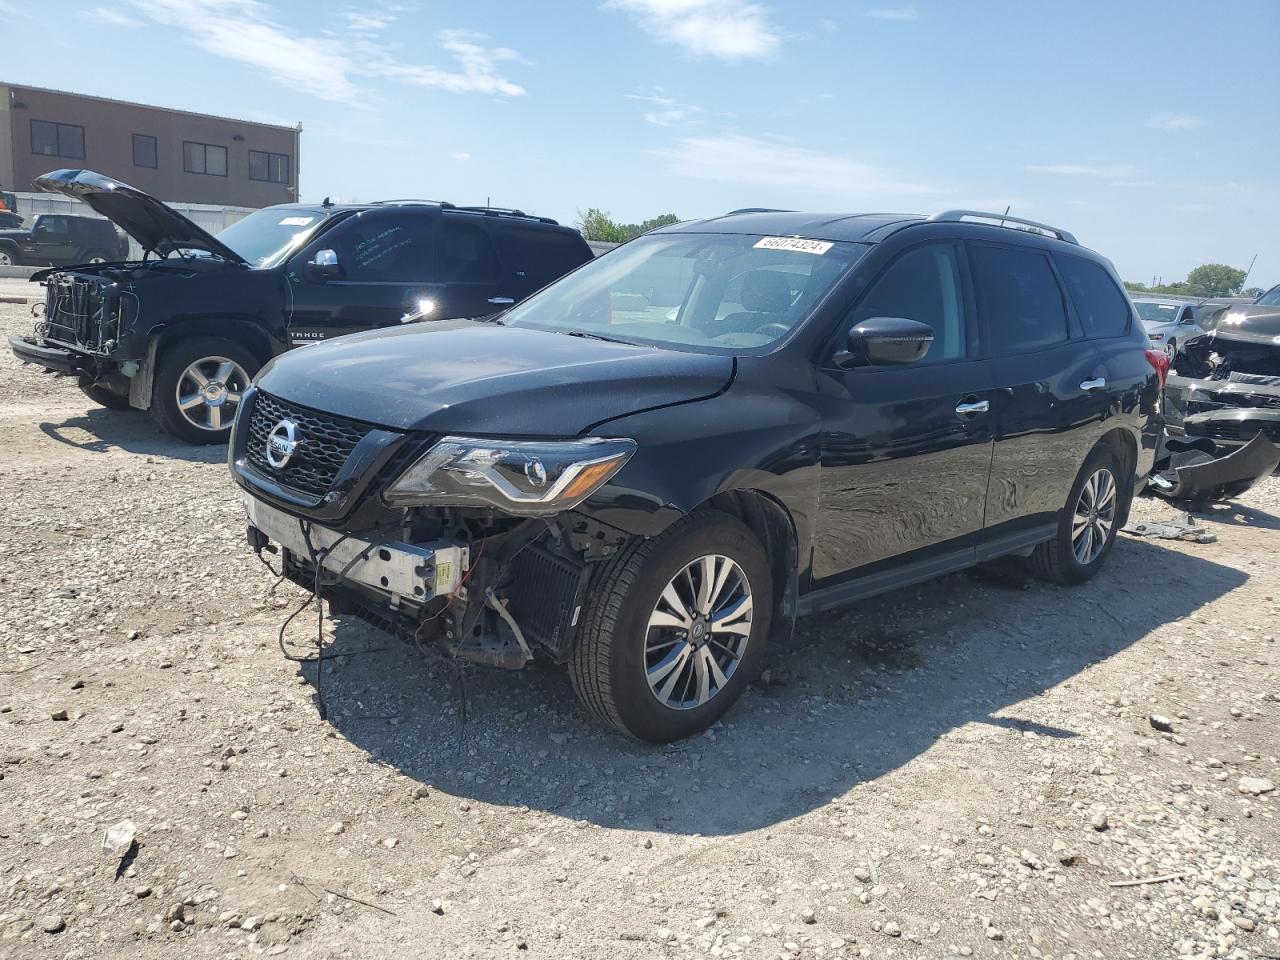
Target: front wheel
(103,395)
(198,386)
(1088,526)
(675,629)
(1171,348)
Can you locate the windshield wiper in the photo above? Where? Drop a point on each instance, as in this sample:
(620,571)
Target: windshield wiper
(491,318)
(589,335)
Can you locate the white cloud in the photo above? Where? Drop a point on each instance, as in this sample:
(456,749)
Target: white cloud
(894,13)
(664,111)
(108,15)
(1174,121)
(367,23)
(462,155)
(748,160)
(328,67)
(724,29)
(1117,171)
(479,73)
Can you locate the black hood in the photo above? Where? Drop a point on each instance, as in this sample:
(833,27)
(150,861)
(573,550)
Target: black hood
(1248,323)
(459,376)
(156,227)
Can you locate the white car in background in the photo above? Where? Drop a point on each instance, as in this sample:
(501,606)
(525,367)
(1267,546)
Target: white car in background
(1169,323)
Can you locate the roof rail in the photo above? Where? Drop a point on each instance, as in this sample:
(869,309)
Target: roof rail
(758,210)
(506,212)
(1003,218)
(407,200)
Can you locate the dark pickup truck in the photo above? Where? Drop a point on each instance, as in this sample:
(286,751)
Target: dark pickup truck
(60,240)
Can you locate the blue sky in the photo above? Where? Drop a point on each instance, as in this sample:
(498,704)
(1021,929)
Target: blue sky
(1150,129)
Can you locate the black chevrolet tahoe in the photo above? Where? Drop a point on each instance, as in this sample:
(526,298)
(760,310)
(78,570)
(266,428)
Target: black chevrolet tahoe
(183,331)
(60,240)
(651,468)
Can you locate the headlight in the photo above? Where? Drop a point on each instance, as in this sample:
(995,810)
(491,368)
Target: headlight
(525,477)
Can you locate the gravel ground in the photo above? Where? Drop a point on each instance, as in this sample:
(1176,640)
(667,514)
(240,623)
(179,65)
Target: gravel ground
(969,767)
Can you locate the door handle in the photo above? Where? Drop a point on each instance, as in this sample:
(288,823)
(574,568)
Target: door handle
(502,301)
(1094,385)
(969,408)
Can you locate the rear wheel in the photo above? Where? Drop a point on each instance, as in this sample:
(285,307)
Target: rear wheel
(1088,525)
(675,629)
(7,257)
(198,386)
(104,395)
(97,256)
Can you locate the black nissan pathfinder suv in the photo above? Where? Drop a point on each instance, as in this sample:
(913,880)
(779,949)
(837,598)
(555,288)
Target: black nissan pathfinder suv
(183,331)
(653,466)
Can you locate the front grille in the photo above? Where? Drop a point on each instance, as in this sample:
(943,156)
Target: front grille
(327,442)
(1238,430)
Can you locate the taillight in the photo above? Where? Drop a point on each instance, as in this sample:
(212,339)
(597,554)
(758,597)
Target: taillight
(1160,361)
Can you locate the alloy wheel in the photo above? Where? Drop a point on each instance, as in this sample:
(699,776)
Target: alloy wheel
(5,260)
(97,259)
(209,392)
(1095,514)
(698,632)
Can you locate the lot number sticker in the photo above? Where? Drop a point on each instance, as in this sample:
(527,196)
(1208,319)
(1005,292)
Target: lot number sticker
(798,244)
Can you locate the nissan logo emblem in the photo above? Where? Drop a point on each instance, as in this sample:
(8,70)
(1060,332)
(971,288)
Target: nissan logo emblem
(282,444)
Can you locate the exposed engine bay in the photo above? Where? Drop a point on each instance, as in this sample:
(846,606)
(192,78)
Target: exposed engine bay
(483,587)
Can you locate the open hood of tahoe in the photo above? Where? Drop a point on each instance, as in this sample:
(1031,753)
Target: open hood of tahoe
(156,227)
(461,376)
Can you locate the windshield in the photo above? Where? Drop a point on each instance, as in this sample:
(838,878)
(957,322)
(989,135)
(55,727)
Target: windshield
(718,293)
(1270,299)
(265,237)
(1159,312)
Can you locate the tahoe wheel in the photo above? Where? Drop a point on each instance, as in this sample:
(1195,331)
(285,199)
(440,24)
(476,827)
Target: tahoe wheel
(674,629)
(1088,526)
(103,395)
(198,386)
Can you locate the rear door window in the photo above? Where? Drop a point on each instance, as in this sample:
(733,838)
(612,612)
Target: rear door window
(544,254)
(1019,299)
(1103,309)
(467,254)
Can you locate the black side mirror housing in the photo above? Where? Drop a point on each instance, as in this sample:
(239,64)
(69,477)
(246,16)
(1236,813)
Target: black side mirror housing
(885,341)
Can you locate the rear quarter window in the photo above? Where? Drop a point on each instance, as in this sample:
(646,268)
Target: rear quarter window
(546,254)
(1102,307)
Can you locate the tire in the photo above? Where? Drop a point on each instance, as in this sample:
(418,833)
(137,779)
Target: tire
(96,256)
(103,395)
(1171,348)
(210,420)
(617,647)
(1058,560)
(8,258)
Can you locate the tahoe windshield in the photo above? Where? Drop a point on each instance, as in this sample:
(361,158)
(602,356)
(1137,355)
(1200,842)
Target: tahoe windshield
(1270,299)
(266,237)
(719,293)
(1160,312)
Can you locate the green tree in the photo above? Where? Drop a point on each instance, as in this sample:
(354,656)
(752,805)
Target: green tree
(596,224)
(1215,280)
(1254,292)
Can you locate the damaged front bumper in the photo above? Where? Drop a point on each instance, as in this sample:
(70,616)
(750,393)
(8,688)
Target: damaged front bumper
(1197,469)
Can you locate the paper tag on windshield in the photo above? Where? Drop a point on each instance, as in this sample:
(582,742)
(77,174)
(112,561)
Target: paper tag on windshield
(798,244)
(296,221)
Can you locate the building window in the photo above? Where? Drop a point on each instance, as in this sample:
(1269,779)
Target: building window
(204,158)
(144,151)
(57,139)
(271,167)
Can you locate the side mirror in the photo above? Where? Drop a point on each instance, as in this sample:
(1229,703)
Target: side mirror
(885,341)
(324,266)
